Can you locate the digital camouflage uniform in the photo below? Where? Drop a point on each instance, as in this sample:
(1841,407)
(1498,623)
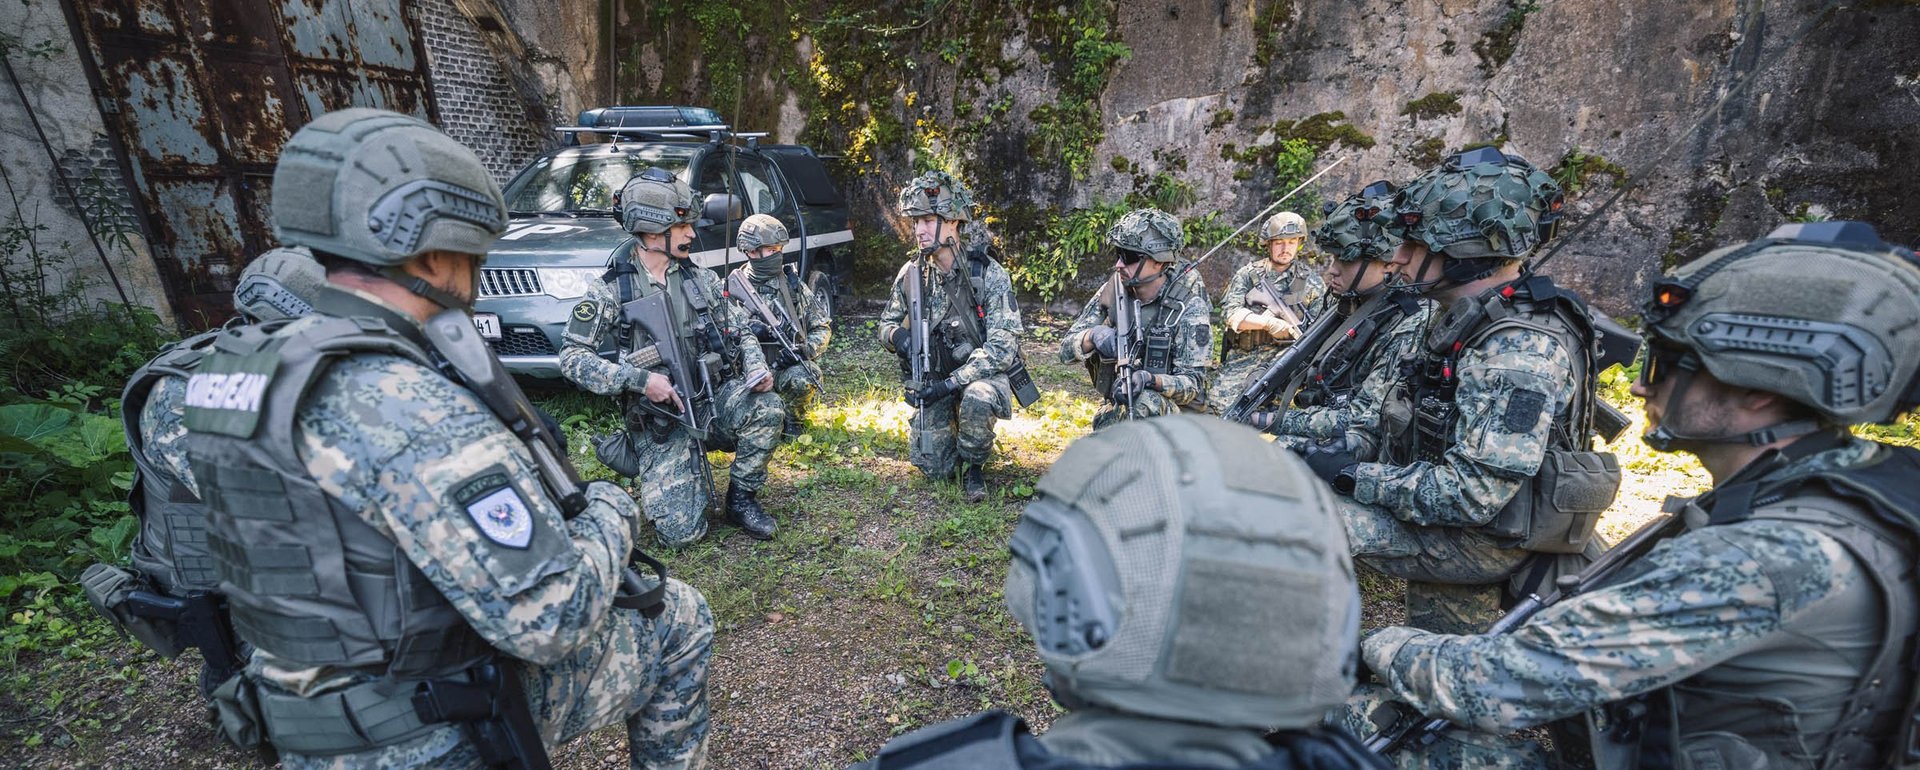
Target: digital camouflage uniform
(793,381)
(959,428)
(1171,336)
(671,490)
(1299,285)
(375,524)
(391,440)
(1419,510)
(1382,362)
(1187,315)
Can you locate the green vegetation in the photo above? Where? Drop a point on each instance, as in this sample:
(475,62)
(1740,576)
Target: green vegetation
(1433,105)
(1220,119)
(1577,168)
(1426,153)
(1496,46)
(1269,22)
(1067,130)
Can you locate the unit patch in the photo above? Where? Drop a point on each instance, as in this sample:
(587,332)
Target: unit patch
(503,517)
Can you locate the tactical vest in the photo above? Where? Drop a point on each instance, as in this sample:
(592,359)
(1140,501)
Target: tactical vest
(308,581)
(1336,370)
(700,331)
(962,325)
(784,293)
(1873,511)
(172,546)
(1558,508)
(1294,298)
(1159,328)
(996,740)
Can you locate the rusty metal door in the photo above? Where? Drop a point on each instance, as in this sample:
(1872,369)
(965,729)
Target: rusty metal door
(203,93)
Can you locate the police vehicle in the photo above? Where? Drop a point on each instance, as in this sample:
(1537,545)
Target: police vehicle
(562,231)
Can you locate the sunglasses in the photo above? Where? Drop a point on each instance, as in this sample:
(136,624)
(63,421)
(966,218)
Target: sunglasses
(1128,257)
(1660,360)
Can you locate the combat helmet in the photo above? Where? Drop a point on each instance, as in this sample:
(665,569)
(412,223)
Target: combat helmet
(1184,568)
(278,284)
(1285,224)
(1825,314)
(655,200)
(381,188)
(1152,232)
(760,230)
(1350,231)
(939,194)
(1481,205)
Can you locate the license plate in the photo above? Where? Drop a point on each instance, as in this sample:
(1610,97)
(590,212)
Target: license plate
(488,324)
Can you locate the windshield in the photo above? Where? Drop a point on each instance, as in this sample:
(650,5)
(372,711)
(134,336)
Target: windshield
(584,181)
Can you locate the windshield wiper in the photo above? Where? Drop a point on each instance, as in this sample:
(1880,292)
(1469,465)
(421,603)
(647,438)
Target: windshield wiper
(519,213)
(590,212)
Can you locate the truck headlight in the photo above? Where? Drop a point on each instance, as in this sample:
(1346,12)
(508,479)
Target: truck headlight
(568,282)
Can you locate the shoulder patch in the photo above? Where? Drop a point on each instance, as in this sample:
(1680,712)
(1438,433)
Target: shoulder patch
(496,508)
(1523,410)
(226,393)
(582,319)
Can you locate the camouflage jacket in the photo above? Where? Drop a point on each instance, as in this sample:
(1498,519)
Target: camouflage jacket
(1381,363)
(1512,386)
(598,315)
(1298,285)
(165,431)
(993,290)
(1762,617)
(816,326)
(392,442)
(1186,314)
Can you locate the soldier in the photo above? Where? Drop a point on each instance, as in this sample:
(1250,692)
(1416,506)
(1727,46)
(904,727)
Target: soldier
(1769,623)
(1385,322)
(170,600)
(424,582)
(729,398)
(763,239)
(973,334)
(1501,394)
(1170,648)
(1266,304)
(1170,337)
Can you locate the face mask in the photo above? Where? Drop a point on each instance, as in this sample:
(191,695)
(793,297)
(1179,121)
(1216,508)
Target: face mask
(768,267)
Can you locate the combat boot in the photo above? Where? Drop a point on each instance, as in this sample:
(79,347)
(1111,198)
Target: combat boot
(744,511)
(792,428)
(972,483)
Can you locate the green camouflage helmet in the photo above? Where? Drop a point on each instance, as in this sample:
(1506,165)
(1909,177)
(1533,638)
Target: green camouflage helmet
(1479,204)
(1351,233)
(939,194)
(1825,314)
(655,200)
(1285,224)
(1184,568)
(1152,232)
(760,230)
(381,188)
(279,284)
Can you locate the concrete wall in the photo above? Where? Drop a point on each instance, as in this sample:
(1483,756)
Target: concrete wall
(47,67)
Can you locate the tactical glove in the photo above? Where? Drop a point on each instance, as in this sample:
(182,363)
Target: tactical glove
(939,390)
(900,340)
(1140,381)
(1328,459)
(1103,341)
(1281,328)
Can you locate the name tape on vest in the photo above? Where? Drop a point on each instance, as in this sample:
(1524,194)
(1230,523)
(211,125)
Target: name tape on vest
(227,392)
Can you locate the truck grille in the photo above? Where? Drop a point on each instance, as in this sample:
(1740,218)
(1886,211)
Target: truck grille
(508,282)
(522,341)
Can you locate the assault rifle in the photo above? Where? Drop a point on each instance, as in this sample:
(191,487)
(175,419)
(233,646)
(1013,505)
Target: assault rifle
(201,621)
(692,382)
(493,708)
(455,339)
(1412,729)
(1271,301)
(1284,371)
(774,317)
(1126,330)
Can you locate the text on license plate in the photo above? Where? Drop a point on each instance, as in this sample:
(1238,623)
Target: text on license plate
(488,324)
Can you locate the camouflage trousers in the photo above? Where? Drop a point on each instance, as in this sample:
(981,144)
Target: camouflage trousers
(959,428)
(654,678)
(673,493)
(1455,577)
(1146,403)
(796,391)
(1232,376)
(1454,749)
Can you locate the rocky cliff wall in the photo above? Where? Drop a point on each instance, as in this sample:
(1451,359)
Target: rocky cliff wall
(1207,106)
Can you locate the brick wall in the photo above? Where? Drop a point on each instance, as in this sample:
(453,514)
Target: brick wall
(478,106)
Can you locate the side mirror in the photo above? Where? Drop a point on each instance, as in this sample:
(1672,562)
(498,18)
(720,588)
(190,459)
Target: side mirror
(721,207)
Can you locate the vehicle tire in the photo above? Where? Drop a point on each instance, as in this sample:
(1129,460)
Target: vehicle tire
(824,287)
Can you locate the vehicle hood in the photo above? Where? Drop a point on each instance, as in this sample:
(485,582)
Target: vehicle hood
(557,241)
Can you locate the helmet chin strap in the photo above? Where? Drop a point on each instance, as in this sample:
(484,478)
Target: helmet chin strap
(1665,439)
(438,296)
(1138,281)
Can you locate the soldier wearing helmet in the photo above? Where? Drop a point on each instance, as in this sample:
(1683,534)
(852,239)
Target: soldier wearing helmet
(419,573)
(973,334)
(170,555)
(1266,304)
(1187,589)
(1160,365)
(1468,473)
(1346,381)
(1772,624)
(763,239)
(665,456)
